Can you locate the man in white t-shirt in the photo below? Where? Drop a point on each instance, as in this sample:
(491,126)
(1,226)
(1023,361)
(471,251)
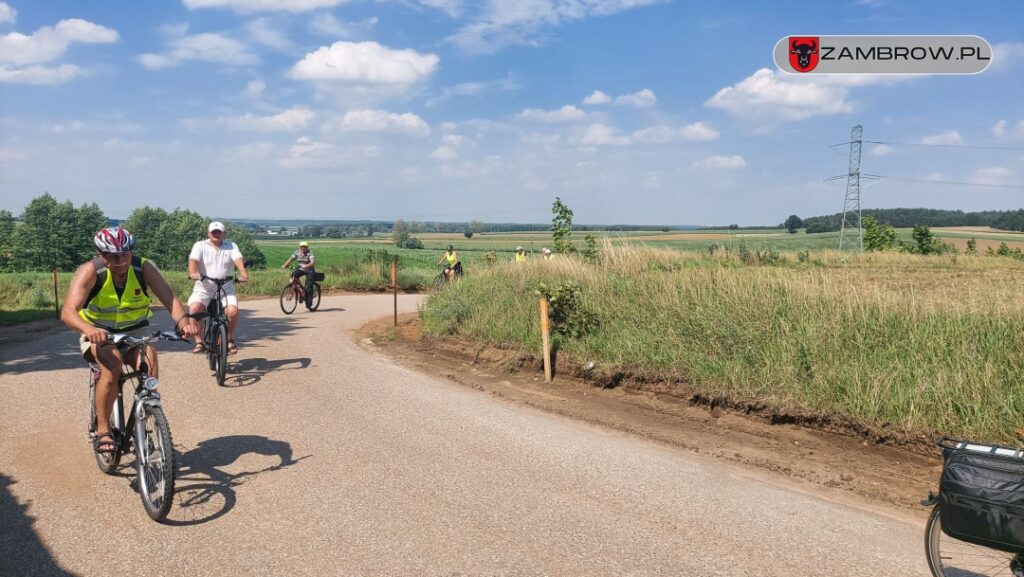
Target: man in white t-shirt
(216,258)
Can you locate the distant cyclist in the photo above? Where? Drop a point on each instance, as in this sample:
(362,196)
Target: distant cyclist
(520,254)
(546,252)
(112,293)
(454,265)
(306,267)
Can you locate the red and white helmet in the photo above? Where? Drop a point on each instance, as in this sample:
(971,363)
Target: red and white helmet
(114,239)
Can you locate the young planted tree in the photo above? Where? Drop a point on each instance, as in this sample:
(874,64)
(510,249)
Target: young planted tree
(878,237)
(561,227)
(924,241)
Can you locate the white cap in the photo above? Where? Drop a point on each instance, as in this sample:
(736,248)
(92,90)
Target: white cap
(519,248)
(546,250)
(215,225)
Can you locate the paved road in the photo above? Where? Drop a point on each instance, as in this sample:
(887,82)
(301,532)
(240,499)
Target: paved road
(323,459)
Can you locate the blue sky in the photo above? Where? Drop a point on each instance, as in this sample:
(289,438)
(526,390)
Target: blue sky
(632,111)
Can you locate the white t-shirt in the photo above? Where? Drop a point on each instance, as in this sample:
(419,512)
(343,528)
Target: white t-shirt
(215,262)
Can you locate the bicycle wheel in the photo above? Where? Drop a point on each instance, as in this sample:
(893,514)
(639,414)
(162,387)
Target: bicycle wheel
(288,300)
(154,451)
(949,557)
(439,281)
(220,352)
(209,336)
(107,462)
(315,301)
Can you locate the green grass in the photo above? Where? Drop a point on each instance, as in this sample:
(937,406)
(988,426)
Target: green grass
(915,343)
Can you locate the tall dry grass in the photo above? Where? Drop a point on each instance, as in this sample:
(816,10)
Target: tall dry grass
(918,343)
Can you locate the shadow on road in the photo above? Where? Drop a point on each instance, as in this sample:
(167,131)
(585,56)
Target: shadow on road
(21,550)
(205,490)
(249,371)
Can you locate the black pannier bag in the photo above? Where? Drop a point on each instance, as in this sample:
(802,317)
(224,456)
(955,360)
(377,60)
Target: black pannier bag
(981,494)
(318,276)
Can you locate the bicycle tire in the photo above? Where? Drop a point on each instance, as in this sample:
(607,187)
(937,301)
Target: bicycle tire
(208,337)
(439,281)
(154,454)
(949,557)
(315,301)
(288,300)
(107,462)
(220,351)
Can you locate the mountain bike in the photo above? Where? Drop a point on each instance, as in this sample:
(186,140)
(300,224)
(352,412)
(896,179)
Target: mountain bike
(987,541)
(215,330)
(295,292)
(143,430)
(443,278)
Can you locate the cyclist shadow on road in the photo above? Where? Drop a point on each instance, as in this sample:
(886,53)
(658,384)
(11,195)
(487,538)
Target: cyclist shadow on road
(22,552)
(206,490)
(249,371)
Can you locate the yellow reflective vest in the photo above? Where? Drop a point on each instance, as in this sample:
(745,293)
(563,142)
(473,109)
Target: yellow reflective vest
(452,257)
(520,257)
(107,310)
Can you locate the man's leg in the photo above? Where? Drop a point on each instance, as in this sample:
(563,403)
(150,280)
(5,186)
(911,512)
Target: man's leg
(109,359)
(232,312)
(197,304)
(309,288)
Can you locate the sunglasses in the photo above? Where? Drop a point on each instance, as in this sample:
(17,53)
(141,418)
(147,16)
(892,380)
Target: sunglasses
(114,255)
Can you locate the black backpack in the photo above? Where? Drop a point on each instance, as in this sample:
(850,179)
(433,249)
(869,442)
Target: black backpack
(981,494)
(101,276)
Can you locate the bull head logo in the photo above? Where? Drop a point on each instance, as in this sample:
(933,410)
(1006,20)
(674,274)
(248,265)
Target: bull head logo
(803,53)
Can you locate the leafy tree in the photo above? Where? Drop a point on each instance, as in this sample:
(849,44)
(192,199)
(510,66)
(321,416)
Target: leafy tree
(878,237)
(402,238)
(972,246)
(793,223)
(924,241)
(54,234)
(591,252)
(561,227)
(6,239)
(166,238)
(468,233)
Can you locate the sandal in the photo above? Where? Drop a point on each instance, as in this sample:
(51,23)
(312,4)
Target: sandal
(104,443)
(232,349)
(198,348)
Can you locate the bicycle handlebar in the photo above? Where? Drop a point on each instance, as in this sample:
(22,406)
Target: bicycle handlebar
(220,281)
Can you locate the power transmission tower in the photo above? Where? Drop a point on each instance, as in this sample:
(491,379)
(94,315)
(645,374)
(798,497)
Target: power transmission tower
(851,206)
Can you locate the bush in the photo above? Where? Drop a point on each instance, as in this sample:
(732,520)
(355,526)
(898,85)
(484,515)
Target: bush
(569,316)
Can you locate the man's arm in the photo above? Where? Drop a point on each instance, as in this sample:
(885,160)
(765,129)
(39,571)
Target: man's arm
(163,291)
(311,263)
(81,284)
(243,274)
(193,261)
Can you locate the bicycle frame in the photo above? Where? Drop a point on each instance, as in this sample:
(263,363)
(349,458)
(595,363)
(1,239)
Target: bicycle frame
(119,428)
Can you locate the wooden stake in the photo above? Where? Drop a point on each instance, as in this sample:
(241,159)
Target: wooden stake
(394,284)
(544,338)
(56,305)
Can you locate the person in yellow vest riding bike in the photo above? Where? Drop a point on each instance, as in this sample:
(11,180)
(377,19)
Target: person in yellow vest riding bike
(520,254)
(112,293)
(453,267)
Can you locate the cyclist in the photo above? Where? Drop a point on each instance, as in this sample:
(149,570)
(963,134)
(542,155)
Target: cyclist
(547,253)
(112,293)
(454,266)
(306,267)
(214,258)
(520,254)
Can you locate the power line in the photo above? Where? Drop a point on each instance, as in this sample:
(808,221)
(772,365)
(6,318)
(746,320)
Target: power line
(958,182)
(974,146)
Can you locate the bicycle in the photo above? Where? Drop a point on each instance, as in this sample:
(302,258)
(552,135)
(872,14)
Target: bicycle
(145,431)
(215,330)
(949,556)
(443,278)
(295,292)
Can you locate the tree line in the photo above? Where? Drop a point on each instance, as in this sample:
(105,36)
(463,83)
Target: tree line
(55,235)
(910,217)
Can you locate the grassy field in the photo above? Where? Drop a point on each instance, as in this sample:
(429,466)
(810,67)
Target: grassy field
(908,342)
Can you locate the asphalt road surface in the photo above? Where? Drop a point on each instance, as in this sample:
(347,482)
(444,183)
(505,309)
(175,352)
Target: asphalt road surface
(321,458)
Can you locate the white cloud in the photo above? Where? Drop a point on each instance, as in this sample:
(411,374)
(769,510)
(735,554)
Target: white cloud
(7,14)
(597,97)
(721,162)
(453,8)
(935,176)
(263,32)
(600,134)
(771,95)
(365,63)
(642,99)
(207,47)
(502,23)
(40,74)
(308,153)
(947,137)
(997,175)
(51,42)
(286,121)
(73,126)
(379,121)
(1006,55)
(1000,128)
(444,153)
(880,150)
(255,88)
(564,114)
(1005,129)
(662,133)
(326,24)
(263,5)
